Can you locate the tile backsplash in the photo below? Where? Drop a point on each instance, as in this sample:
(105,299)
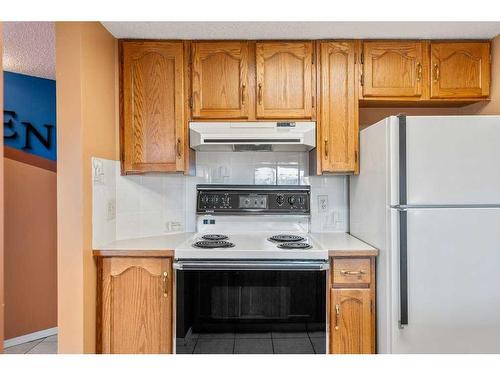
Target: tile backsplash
(155,204)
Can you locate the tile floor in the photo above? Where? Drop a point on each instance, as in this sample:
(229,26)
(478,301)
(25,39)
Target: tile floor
(48,345)
(254,343)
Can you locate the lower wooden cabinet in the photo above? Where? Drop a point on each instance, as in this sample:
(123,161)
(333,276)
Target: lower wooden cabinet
(352,306)
(134,307)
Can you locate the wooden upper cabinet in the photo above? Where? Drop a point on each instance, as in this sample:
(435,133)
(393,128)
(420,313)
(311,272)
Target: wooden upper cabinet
(284,80)
(220,80)
(351,321)
(153,107)
(135,309)
(338,140)
(460,70)
(394,69)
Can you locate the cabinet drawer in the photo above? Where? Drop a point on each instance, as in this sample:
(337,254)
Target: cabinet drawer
(351,271)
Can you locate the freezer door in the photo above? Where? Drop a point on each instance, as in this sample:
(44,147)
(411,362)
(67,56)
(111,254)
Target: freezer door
(453,259)
(449,160)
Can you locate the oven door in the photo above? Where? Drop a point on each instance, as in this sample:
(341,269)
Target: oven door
(225,306)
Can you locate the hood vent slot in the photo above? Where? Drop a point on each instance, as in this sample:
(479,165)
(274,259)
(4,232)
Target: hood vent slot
(250,147)
(255,140)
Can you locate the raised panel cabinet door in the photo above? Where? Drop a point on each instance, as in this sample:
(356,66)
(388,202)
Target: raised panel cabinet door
(339,107)
(153,107)
(220,80)
(284,80)
(460,70)
(350,321)
(136,305)
(393,69)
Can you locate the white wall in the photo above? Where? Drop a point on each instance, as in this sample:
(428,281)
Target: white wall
(155,204)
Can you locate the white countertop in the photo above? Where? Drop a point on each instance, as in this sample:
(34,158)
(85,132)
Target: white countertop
(166,242)
(343,244)
(337,244)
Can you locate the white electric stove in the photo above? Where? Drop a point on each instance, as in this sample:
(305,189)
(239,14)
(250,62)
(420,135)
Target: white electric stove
(253,223)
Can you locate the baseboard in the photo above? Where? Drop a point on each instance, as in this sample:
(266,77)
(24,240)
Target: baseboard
(30,337)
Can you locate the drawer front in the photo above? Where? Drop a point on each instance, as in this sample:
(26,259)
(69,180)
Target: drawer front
(351,271)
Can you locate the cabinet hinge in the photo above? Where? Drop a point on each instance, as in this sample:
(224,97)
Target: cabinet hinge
(313,101)
(313,61)
(356,156)
(362,79)
(191,102)
(362,58)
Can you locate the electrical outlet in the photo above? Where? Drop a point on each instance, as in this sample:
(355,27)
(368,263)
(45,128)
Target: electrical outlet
(111,209)
(98,171)
(173,226)
(322,203)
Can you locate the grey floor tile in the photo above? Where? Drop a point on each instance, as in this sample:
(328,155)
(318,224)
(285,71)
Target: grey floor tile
(253,335)
(287,335)
(22,348)
(214,346)
(52,338)
(319,345)
(228,335)
(317,334)
(185,348)
(293,346)
(253,346)
(44,348)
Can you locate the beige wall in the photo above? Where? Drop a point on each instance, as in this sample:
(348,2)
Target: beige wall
(30,248)
(1,202)
(87,123)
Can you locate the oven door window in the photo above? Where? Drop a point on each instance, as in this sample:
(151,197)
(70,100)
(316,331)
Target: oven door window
(284,310)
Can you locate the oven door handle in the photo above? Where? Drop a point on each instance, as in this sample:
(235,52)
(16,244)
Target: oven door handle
(251,265)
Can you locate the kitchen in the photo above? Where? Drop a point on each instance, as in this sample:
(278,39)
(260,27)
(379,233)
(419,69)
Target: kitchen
(232,188)
(282,195)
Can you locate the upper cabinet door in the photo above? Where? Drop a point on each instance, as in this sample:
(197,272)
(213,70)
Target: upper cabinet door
(460,70)
(284,79)
(153,107)
(393,69)
(220,80)
(339,107)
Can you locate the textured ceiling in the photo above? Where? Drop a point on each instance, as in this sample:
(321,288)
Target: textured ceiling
(303,30)
(29,48)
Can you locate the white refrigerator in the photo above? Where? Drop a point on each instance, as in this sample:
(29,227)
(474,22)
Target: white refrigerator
(428,197)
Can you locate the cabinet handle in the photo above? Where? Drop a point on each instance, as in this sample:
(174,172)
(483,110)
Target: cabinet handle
(436,72)
(352,273)
(243,89)
(326,148)
(178,147)
(419,72)
(260,93)
(337,316)
(165,283)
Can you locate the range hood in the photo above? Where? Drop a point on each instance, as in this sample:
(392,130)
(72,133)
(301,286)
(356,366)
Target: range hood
(253,136)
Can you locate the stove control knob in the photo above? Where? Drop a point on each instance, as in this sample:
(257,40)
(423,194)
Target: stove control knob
(292,200)
(204,199)
(280,200)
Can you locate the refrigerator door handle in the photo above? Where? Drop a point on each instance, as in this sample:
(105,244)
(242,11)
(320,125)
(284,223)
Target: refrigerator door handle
(403,226)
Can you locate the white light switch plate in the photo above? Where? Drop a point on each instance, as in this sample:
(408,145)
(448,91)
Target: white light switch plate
(98,171)
(111,209)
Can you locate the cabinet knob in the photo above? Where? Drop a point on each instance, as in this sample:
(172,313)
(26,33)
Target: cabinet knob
(260,93)
(165,284)
(436,72)
(337,316)
(178,147)
(326,148)
(419,72)
(243,93)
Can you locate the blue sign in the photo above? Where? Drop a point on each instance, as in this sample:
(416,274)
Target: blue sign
(29,117)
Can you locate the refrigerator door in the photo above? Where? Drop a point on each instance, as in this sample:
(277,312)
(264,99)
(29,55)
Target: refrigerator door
(453,259)
(450,160)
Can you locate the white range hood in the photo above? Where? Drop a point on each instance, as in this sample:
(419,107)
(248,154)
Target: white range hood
(253,136)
